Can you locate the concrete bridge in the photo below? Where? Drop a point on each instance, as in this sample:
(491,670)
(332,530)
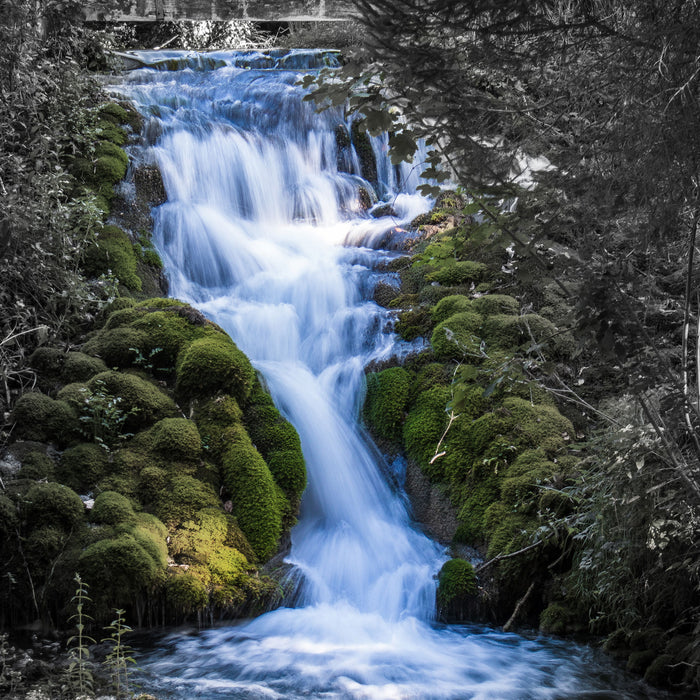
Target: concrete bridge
(253,10)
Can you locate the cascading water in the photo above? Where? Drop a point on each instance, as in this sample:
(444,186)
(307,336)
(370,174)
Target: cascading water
(264,232)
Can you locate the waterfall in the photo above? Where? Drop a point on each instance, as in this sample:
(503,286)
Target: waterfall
(264,230)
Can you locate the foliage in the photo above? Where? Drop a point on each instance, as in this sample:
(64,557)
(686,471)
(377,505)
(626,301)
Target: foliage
(102,418)
(120,655)
(78,674)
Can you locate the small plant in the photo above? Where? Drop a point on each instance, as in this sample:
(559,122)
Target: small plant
(78,674)
(102,419)
(140,360)
(119,658)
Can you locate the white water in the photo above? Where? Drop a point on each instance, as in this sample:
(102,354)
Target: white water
(265,235)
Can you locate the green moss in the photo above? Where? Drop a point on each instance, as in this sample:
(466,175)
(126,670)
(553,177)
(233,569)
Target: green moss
(47,361)
(449,306)
(457,337)
(54,504)
(152,481)
(167,333)
(639,661)
(475,501)
(555,503)
(508,332)
(116,305)
(185,592)
(538,426)
(462,272)
(253,494)
(43,545)
(424,425)
(456,581)
(122,317)
(81,467)
(112,252)
(39,417)
(151,257)
(177,438)
(125,484)
(386,401)
(662,670)
(118,347)
(513,532)
(288,469)
(557,618)
(214,365)
(214,417)
(112,508)
(118,570)
(413,323)
(36,465)
(107,148)
(74,395)
(9,518)
(153,541)
(109,131)
(182,498)
(149,402)
(491,304)
(79,367)
(114,113)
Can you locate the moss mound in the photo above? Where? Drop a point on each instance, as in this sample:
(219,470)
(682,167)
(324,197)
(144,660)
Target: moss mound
(456,581)
(39,417)
(83,466)
(213,365)
(176,439)
(449,306)
(112,508)
(386,402)
(113,252)
(54,504)
(458,336)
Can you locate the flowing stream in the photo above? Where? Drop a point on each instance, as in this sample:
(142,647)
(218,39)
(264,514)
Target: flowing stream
(264,231)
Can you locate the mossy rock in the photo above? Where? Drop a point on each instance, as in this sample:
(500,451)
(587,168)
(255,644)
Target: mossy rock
(36,465)
(125,484)
(109,131)
(214,365)
(663,671)
(83,466)
(112,508)
(424,425)
(152,480)
(476,501)
(118,570)
(129,462)
(491,304)
(456,581)
(214,417)
(75,395)
(413,323)
(79,367)
(463,272)
(185,592)
(113,112)
(639,661)
(47,361)
(538,426)
(122,317)
(116,305)
(113,252)
(45,544)
(386,401)
(148,401)
(255,501)
(177,439)
(54,504)
(118,347)
(512,533)
(449,306)
(182,498)
(558,618)
(41,418)
(458,336)
(9,517)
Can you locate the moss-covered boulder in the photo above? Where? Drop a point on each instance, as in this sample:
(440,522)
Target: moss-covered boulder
(491,304)
(79,367)
(112,508)
(213,365)
(176,439)
(118,347)
(424,425)
(143,401)
(449,306)
(54,504)
(81,467)
(456,582)
(41,418)
(255,499)
(182,497)
(463,272)
(387,400)
(113,252)
(458,337)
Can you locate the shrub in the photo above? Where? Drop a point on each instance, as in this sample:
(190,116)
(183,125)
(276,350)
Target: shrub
(214,365)
(386,401)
